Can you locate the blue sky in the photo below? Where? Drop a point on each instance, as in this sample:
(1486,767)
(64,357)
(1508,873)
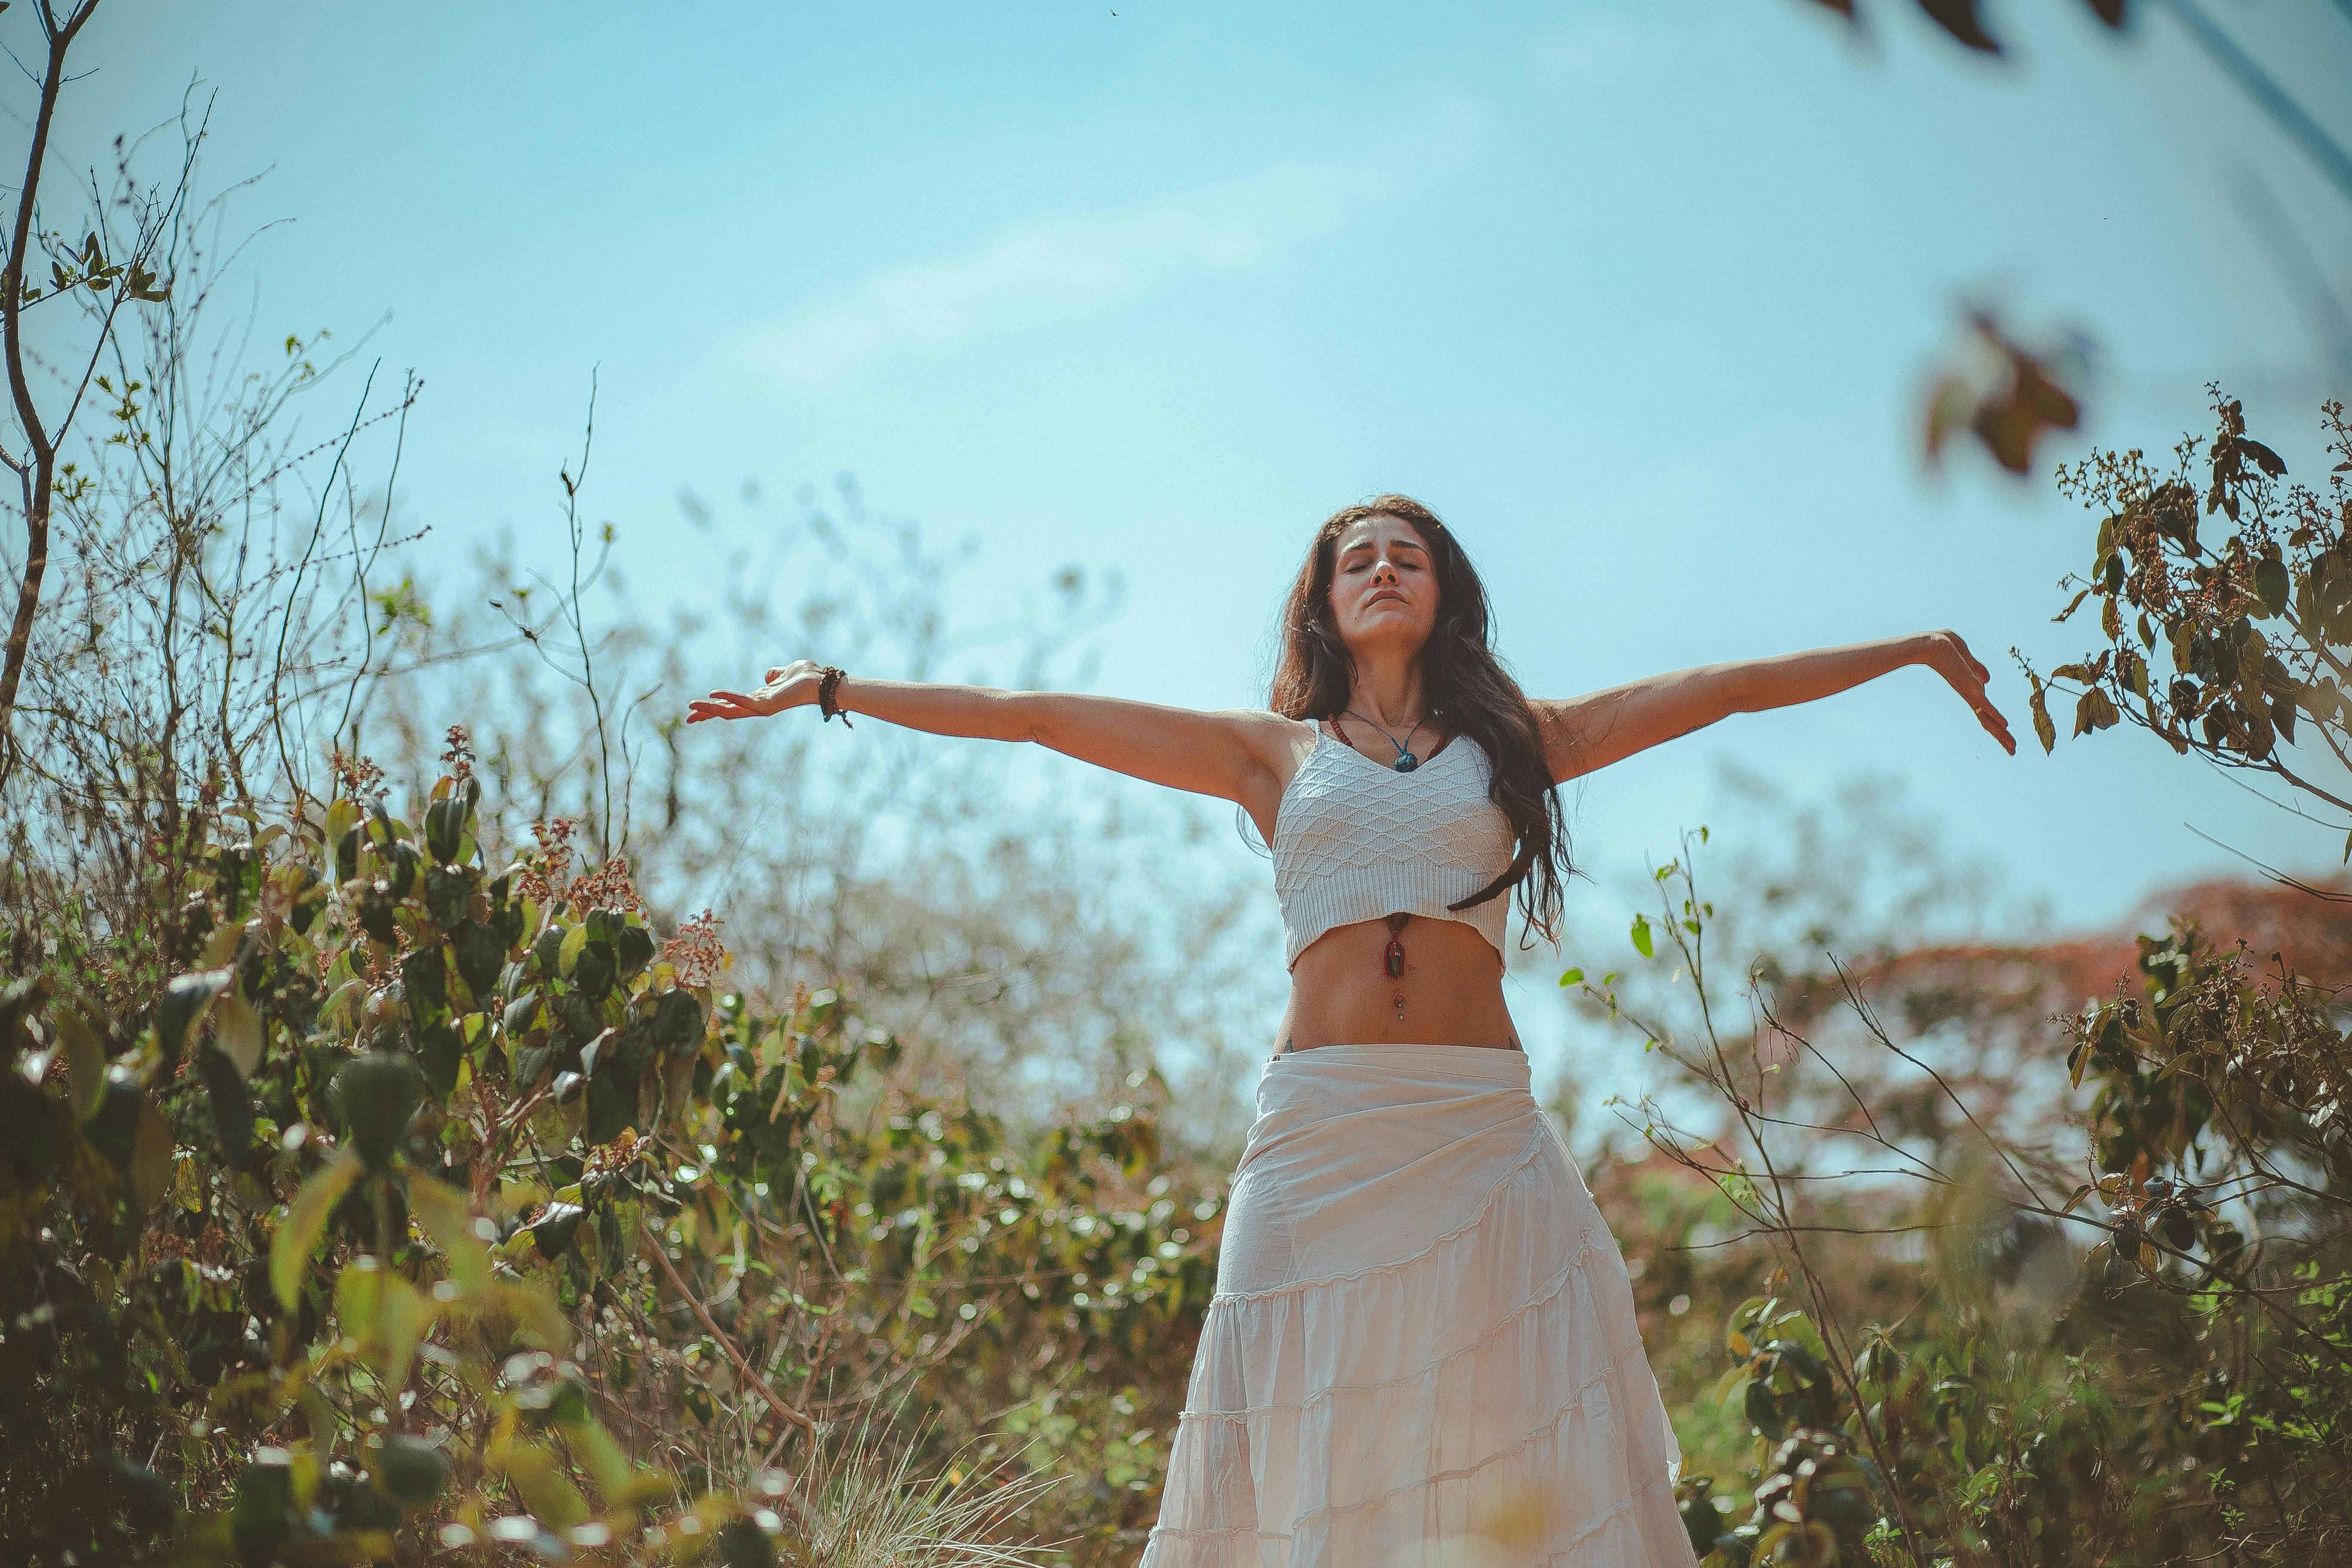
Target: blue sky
(1639,297)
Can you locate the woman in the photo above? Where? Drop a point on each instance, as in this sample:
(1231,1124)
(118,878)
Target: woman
(1421,1348)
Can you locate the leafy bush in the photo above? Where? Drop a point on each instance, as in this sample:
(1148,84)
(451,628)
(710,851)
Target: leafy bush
(433,1205)
(2052,1240)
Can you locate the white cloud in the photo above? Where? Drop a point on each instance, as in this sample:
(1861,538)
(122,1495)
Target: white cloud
(1056,269)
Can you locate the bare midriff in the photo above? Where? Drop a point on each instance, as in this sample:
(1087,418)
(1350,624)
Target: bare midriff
(1451,993)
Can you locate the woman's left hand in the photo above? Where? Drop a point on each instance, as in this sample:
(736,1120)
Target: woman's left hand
(1948,657)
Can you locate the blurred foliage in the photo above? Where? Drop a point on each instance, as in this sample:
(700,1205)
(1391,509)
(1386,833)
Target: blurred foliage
(2008,397)
(1963,21)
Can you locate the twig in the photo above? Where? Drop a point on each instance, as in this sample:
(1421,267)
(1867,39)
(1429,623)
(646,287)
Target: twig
(710,1326)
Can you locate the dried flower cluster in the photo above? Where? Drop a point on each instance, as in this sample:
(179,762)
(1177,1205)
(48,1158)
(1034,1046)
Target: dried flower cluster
(359,777)
(695,951)
(550,865)
(459,755)
(608,887)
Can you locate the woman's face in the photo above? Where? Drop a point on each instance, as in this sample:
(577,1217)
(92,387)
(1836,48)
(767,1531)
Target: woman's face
(1383,587)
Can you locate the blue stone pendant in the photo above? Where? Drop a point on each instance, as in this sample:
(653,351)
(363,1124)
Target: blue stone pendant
(1406,763)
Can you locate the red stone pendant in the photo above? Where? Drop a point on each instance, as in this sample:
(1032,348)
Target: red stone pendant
(1393,959)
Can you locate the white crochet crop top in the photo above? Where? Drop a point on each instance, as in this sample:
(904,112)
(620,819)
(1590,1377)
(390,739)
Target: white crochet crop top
(1356,841)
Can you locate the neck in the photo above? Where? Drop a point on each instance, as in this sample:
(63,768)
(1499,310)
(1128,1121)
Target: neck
(1387,690)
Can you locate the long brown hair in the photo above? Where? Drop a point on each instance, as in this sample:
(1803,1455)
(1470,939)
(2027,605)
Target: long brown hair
(1462,684)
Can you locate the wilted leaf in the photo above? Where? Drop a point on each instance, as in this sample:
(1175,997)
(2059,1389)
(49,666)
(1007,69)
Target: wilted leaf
(2094,710)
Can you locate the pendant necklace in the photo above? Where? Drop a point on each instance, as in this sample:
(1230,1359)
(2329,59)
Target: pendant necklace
(1393,956)
(1405,760)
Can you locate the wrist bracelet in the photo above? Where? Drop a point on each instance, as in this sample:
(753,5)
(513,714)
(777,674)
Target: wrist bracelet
(829,681)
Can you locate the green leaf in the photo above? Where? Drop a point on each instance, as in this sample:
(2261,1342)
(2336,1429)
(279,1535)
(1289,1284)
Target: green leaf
(150,1157)
(539,1478)
(2272,586)
(1641,933)
(184,1002)
(1573,977)
(568,955)
(412,1471)
(85,1061)
(378,1307)
(441,1210)
(594,1448)
(297,1235)
(237,1029)
(378,1093)
(342,817)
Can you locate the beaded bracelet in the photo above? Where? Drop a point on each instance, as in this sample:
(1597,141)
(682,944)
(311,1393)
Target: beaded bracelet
(829,681)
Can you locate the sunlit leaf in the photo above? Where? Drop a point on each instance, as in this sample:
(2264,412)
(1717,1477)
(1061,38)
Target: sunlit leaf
(441,1210)
(236,1028)
(538,1476)
(297,1235)
(84,1062)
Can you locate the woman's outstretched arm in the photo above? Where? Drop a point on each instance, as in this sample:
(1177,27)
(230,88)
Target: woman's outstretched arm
(1587,732)
(1239,756)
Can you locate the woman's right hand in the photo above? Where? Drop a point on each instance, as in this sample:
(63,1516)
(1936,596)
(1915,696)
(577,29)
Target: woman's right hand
(786,685)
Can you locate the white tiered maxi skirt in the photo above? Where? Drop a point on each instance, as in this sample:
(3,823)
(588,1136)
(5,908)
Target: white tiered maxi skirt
(1422,1349)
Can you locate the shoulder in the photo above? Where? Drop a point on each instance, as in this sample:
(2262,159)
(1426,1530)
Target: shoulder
(1280,744)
